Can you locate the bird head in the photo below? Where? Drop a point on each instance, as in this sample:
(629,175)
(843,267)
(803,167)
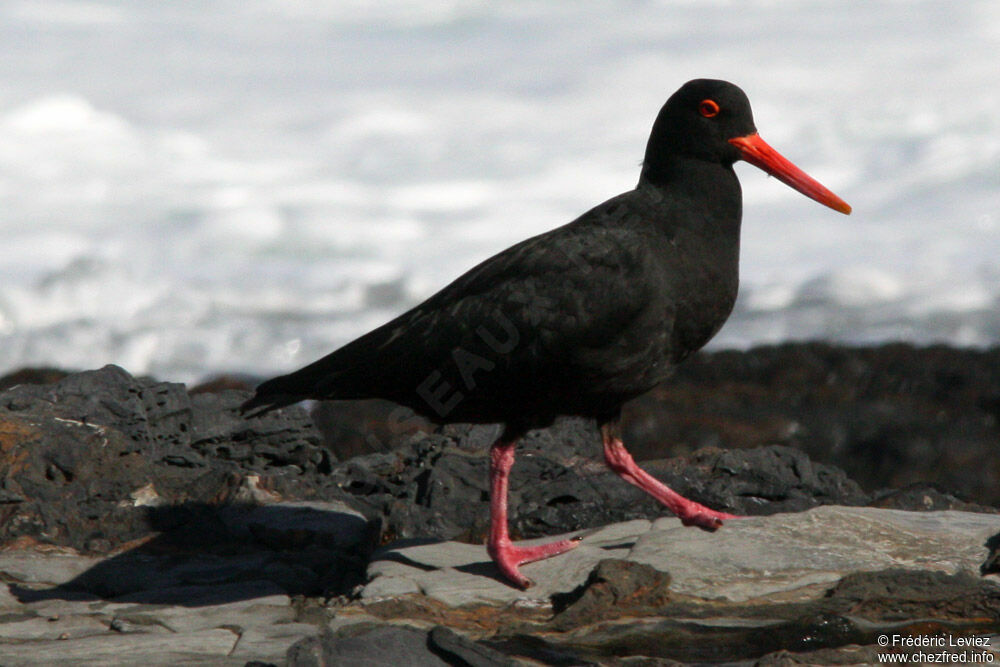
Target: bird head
(711,120)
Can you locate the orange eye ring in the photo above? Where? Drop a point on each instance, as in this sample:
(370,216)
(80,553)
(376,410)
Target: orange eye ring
(708,108)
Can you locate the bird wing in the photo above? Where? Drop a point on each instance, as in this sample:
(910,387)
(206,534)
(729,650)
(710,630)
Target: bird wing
(551,308)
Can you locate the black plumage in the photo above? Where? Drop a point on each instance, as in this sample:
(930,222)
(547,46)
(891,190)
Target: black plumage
(578,320)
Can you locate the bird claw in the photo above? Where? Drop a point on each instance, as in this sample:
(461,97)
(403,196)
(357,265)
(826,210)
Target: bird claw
(508,557)
(706,519)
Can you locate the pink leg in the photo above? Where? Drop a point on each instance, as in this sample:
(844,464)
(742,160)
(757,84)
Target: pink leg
(689,512)
(501,549)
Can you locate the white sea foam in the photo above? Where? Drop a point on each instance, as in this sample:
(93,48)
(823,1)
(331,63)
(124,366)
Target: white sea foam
(245,186)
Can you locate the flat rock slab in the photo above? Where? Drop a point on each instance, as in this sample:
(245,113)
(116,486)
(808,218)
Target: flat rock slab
(205,647)
(76,627)
(778,568)
(784,557)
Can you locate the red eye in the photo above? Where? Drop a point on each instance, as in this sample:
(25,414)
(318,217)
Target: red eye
(708,108)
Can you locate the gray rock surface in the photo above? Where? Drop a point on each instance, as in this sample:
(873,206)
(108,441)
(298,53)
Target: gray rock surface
(767,578)
(786,556)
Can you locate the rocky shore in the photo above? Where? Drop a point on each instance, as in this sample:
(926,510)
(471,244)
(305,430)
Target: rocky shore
(143,522)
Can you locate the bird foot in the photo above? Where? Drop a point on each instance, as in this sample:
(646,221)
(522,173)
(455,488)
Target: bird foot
(508,557)
(696,514)
(690,513)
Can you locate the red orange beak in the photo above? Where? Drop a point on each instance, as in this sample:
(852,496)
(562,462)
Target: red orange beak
(757,152)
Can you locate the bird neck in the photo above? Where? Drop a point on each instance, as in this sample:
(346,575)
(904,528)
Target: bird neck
(675,170)
(702,207)
(710,189)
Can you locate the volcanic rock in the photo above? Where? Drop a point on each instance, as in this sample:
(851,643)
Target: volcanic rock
(138,519)
(890,416)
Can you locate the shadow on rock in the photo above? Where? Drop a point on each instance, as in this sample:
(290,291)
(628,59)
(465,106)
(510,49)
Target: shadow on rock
(210,555)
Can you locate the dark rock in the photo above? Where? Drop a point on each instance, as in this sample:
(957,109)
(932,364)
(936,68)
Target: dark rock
(614,589)
(459,650)
(365,645)
(71,483)
(275,440)
(992,563)
(85,458)
(923,497)
(476,437)
(844,655)
(898,595)
(437,488)
(380,645)
(890,416)
(765,480)
(146,413)
(664,640)
(101,460)
(43,375)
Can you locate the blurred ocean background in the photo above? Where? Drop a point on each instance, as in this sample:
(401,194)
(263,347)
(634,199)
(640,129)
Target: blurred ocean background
(244,185)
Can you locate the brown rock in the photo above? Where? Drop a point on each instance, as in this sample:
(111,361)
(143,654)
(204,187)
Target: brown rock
(615,588)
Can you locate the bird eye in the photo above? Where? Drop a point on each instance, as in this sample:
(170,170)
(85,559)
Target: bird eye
(708,108)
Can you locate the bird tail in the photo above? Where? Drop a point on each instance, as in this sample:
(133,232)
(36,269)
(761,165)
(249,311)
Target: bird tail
(269,396)
(319,380)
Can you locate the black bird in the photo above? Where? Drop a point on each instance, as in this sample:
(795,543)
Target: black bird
(580,319)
